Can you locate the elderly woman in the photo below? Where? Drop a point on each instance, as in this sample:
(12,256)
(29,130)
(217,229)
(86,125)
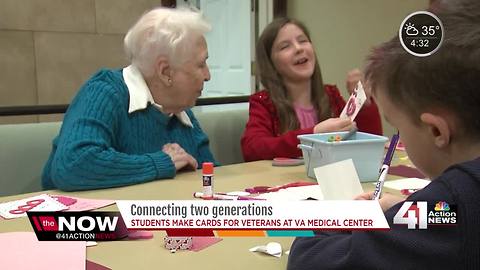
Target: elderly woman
(134,125)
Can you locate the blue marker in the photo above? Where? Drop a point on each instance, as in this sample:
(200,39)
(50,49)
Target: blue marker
(385,166)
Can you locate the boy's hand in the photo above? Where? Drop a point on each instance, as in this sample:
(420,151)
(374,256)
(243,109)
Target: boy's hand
(333,125)
(386,201)
(180,158)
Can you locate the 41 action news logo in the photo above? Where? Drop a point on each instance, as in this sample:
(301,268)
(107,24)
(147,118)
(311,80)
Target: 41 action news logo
(77,226)
(421,215)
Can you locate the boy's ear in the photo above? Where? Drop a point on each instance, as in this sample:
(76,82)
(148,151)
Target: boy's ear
(164,71)
(439,128)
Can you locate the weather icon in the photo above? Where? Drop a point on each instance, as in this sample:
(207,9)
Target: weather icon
(410,29)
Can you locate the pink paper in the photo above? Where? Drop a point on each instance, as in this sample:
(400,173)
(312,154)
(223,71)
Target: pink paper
(140,235)
(405,171)
(64,199)
(199,243)
(22,250)
(83,204)
(95,266)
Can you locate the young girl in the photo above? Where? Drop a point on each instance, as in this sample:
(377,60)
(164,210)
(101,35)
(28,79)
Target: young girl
(295,100)
(441,132)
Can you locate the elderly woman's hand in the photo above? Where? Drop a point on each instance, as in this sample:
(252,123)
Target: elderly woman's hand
(180,158)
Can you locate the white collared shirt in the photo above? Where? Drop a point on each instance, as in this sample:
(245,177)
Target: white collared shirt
(140,94)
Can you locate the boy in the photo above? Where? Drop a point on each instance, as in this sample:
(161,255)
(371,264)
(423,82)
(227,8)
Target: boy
(434,103)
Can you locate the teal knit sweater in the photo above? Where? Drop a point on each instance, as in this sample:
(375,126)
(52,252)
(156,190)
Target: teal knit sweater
(101,145)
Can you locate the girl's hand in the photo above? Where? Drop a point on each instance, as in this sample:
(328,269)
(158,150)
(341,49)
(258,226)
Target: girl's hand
(333,125)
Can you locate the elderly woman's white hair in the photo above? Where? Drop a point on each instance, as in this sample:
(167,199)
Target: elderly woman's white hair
(164,32)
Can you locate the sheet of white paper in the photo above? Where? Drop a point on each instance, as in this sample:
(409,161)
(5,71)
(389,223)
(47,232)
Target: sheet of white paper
(354,102)
(19,208)
(91,243)
(305,192)
(294,194)
(407,183)
(272,248)
(339,180)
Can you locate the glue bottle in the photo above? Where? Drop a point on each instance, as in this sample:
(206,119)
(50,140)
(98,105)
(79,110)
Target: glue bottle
(207,169)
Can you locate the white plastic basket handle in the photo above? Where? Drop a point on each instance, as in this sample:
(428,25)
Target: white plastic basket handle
(305,147)
(309,150)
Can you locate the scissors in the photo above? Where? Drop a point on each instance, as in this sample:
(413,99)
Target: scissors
(266,189)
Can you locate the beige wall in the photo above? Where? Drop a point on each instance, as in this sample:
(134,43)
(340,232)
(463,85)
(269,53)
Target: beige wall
(344,31)
(48,48)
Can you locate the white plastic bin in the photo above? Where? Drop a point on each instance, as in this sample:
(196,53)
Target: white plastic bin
(365,149)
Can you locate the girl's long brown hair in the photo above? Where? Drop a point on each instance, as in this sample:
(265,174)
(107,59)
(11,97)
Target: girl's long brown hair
(274,84)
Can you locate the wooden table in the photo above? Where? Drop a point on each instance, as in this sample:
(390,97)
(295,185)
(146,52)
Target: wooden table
(230,253)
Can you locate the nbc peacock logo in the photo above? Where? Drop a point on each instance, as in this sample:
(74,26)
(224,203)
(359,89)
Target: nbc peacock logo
(442,206)
(442,214)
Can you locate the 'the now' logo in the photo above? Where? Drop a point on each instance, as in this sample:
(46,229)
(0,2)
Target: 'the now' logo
(75,222)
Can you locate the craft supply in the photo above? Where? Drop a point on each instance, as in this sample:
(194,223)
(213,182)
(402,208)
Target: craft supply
(282,162)
(406,171)
(216,196)
(177,243)
(224,196)
(349,134)
(265,189)
(140,235)
(19,208)
(354,102)
(207,169)
(408,192)
(272,248)
(386,164)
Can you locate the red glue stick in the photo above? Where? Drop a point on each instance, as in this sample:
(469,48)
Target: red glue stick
(207,169)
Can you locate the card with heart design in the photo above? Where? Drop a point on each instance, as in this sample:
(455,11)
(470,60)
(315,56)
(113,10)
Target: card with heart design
(19,208)
(354,103)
